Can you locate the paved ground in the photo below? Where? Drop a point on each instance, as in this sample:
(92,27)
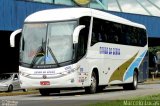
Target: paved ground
(75,98)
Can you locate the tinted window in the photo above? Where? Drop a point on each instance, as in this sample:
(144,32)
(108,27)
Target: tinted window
(83,37)
(111,32)
(134,36)
(98,32)
(114,32)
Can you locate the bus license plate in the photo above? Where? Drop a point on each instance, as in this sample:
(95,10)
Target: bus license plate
(44,83)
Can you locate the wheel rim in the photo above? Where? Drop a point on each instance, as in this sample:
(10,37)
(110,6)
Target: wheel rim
(93,83)
(135,80)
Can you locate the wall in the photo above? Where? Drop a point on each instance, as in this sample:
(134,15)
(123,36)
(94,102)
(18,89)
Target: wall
(13,13)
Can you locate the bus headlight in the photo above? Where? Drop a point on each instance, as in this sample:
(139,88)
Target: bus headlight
(67,72)
(70,71)
(64,73)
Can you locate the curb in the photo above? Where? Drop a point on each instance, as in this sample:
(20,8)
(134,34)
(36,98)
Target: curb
(18,93)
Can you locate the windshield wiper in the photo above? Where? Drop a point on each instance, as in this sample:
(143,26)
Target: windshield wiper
(53,56)
(39,53)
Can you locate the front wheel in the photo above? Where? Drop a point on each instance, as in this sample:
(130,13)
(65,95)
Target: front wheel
(10,88)
(93,87)
(46,92)
(25,90)
(133,85)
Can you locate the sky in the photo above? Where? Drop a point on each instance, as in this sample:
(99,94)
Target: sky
(145,7)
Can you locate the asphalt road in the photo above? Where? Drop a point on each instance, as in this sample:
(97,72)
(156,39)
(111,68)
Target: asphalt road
(78,98)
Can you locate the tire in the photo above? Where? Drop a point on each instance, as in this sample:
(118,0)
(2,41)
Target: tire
(10,88)
(46,92)
(93,87)
(55,91)
(25,90)
(133,85)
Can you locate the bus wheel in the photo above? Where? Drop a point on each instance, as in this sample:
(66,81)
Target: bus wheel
(135,81)
(55,90)
(134,84)
(93,87)
(44,92)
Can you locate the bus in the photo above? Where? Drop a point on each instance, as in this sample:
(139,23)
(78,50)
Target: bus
(81,48)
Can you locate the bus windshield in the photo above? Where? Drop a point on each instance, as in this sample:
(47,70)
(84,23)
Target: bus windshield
(47,44)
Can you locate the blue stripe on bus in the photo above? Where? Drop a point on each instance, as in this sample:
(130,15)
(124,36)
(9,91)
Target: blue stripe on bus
(136,63)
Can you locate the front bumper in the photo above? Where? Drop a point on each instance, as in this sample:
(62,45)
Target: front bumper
(3,88)
(70,80)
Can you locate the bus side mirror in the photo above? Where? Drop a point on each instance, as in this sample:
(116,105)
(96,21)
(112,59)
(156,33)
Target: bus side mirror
(76,33)
(12,37)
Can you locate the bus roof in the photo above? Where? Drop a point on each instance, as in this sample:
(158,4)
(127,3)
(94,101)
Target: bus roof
(75,13)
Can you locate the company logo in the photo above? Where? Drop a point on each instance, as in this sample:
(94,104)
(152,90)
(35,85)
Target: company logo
(44,76)
(82,2)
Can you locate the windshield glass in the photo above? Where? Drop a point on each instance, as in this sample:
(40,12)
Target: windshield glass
(5,76)
(47,44)
(60,41)
(34,36)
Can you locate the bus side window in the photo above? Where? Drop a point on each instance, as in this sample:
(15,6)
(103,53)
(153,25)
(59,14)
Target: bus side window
(143,37)
(82,43)
(94,38)
(83,37)
(98,31)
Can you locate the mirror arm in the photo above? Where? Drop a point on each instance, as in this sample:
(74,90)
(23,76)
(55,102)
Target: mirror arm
(12,37)
(76,33)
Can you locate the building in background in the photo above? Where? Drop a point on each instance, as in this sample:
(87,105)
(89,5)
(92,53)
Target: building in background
(13,13)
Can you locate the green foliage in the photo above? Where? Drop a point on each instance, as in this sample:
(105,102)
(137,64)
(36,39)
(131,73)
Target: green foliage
(109,103)
(153,50)
(151,98)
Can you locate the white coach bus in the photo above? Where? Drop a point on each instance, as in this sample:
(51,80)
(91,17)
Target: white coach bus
(80,48)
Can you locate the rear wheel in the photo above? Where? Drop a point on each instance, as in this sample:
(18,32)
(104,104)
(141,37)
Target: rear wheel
(93,87)
(135,81)
(133,85)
